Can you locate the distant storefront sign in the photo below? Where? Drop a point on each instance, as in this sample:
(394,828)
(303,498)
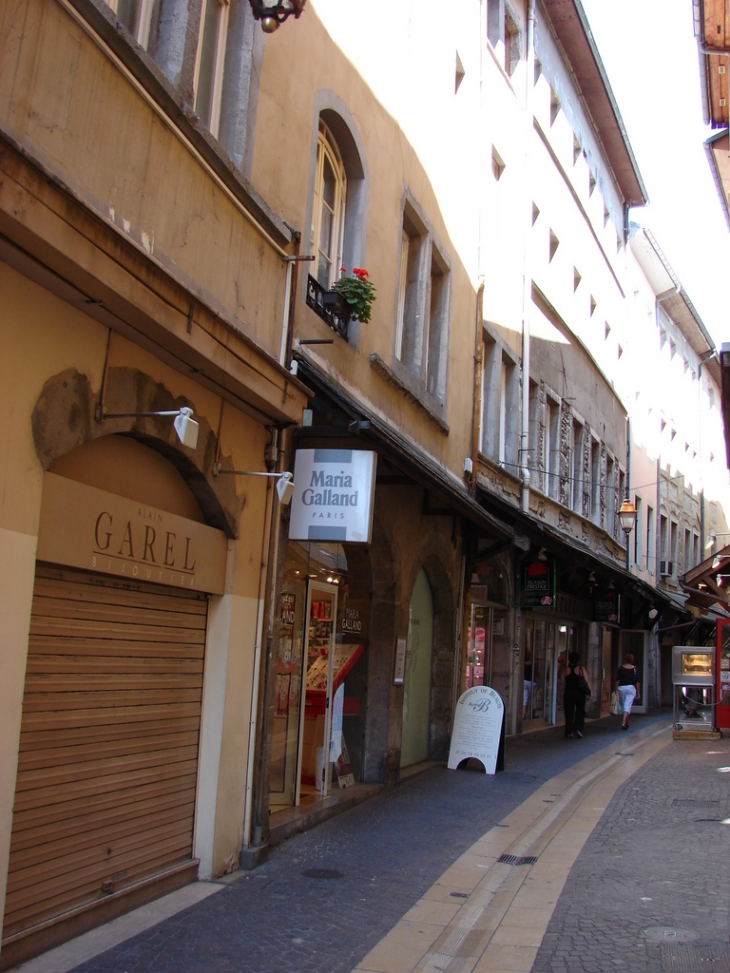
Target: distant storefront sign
(607,606)
(333,497)
(538,584)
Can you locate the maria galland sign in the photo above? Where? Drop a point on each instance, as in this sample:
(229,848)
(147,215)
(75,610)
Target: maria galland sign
(334,492)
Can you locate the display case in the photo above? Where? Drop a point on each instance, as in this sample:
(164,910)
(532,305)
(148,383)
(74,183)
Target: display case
(693,676)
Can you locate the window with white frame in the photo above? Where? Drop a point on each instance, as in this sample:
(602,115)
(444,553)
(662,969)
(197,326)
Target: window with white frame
(551,461)
(209,63)
(595,480)
(638,532)
(422,311)
(500,406)
(328,209)
(504,34)
(610,494)
(616,528)
(136,16)
(650,542)
(576,482)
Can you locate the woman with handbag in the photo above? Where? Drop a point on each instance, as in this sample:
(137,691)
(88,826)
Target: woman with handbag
(628,687)
(576,690)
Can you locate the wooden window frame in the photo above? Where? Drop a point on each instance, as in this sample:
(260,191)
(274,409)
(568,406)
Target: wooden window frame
(216,96)
(327,148)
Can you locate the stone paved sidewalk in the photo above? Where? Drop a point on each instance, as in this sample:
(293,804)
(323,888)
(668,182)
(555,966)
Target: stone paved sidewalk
(650,891)
(327,897)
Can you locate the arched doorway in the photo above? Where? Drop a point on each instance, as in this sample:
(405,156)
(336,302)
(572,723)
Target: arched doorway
(105,795)
(417,683)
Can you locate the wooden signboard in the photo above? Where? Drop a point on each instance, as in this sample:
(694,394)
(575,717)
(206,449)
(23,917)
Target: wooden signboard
(477,728)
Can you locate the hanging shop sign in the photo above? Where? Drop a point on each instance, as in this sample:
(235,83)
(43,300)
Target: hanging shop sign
(477,728)
(607,606)
(84,527)
(334,492)
(538,584)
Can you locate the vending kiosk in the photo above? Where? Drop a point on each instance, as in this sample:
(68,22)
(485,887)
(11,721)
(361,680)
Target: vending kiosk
(693,676)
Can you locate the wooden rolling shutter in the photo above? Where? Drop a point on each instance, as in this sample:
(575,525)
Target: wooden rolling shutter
(105,793)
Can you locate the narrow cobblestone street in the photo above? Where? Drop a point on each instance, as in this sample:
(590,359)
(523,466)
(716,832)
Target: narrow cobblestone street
(649,890)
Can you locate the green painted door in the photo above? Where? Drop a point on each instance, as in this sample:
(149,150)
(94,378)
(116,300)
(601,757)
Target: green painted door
(417,685)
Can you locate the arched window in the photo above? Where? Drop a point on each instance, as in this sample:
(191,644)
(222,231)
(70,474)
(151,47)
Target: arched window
(328,210)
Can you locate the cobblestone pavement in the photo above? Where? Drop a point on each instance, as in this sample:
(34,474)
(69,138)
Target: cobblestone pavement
(326,897)
(650,891)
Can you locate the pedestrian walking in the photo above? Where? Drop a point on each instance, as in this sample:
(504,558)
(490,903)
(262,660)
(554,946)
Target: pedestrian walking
(628,687)
(576,690)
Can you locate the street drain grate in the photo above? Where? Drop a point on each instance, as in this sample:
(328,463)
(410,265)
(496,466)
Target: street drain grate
(517,859)
(668,934)
(322,873)
(691,802)
(695,959)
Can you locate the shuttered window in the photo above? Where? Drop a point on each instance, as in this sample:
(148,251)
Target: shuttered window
(105,793)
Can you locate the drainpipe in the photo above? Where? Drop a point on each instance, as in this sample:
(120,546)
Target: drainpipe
(524,460)
(478,381)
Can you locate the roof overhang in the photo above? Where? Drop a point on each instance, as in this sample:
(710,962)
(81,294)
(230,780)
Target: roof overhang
(670,294)
(570,25)
(717,149)
(708,583)
(712,28)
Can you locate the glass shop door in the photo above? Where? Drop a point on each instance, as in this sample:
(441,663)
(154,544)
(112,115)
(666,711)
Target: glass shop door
(315,768)
(478,669)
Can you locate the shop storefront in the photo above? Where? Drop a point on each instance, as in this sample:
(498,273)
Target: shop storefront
(321,674)
(106,788)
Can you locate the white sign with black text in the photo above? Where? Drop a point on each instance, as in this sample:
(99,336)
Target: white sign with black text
(334,492)
(477,728)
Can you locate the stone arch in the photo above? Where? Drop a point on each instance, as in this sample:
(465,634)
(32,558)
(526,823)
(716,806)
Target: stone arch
(442,659)
(63,419)
(381,758)
(331,108)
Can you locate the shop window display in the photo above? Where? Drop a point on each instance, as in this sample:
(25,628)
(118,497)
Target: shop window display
(321,656)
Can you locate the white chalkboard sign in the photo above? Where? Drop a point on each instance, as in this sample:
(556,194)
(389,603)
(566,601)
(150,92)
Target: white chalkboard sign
(477,727)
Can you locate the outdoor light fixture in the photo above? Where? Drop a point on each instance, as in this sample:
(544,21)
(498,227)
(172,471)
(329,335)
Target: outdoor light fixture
(284,488)
(714,534)
(185,426)
(271,13)
(542,556)
(627,516)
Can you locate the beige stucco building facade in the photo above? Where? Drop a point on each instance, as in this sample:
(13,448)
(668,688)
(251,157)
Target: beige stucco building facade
(189,675)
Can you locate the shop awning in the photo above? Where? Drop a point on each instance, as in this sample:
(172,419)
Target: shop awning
(364,426)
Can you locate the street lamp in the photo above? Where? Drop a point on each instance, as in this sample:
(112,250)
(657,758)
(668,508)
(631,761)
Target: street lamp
(627,516)
(271,13)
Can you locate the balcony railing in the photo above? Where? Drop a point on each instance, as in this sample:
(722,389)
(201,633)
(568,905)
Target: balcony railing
(329,305)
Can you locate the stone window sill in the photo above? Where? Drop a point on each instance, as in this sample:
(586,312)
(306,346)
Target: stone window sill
(415,393)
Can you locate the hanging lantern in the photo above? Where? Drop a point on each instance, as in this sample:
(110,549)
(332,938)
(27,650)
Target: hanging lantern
(627,515)
(271,13)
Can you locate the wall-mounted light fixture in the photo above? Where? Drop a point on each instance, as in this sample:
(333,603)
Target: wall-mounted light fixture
(271,13)
(542,555)
(284,488)
(185,426)
(714,534)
